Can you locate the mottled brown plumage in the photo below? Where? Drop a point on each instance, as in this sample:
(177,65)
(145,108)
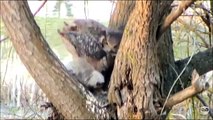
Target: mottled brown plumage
(93,42)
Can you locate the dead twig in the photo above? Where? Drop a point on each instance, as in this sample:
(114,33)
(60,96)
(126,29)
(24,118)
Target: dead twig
(42,5)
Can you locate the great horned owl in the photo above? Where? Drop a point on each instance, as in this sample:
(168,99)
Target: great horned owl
(110,39)
(87,47)
(87,40)
(94,42)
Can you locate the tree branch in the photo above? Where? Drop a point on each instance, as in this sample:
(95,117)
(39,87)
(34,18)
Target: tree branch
(42,5)
(120,15)
(198,85)
(173,16)
(61,88)
(202,62)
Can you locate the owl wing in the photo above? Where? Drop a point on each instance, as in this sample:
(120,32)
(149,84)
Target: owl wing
(86,45)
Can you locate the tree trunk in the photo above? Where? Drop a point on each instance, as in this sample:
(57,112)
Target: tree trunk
(118,21)
(121,14)
(39,60)
(124,68)
(136,73)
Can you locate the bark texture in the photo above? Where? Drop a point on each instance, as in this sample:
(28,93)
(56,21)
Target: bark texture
(39,60)
(121,14)
(136,74)
(167,64)
(118,21)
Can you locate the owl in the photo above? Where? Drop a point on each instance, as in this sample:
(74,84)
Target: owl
(87,47)
(92,41)
(110,39)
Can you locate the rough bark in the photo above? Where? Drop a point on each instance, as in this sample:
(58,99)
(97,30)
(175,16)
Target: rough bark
(136,74)
(38,58)
(121,14)
(118,21)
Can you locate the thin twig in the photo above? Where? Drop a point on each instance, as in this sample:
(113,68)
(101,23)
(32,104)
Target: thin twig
(193,30)
(42,5)
(7,65)
(181,82)
(177,80)
(203,7)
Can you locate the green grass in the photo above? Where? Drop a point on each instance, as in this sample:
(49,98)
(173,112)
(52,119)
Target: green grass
(49,28)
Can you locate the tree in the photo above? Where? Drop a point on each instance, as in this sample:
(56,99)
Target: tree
(143,70)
